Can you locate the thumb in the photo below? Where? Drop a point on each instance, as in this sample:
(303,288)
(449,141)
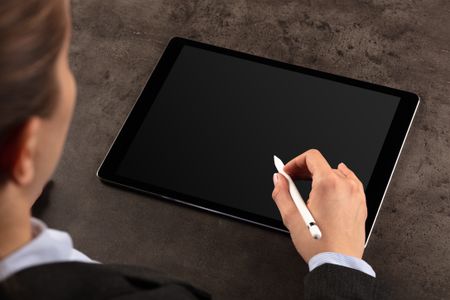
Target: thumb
(289,212)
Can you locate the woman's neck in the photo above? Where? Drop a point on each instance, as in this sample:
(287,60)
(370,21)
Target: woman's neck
(15,221)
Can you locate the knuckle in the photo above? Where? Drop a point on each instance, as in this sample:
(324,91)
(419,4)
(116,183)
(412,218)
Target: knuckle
(314,152)
(288,217)
(351,173)
(330,181)
(285,219)
(275,193)
(353,185)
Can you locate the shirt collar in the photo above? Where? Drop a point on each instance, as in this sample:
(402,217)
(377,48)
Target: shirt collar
(47,246)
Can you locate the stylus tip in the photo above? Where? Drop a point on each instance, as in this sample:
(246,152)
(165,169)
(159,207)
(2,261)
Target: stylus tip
(278,163)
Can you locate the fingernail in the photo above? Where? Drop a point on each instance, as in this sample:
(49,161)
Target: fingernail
(344,165)
(275,178)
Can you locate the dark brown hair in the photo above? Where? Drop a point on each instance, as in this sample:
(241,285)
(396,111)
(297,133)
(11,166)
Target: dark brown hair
(32,33)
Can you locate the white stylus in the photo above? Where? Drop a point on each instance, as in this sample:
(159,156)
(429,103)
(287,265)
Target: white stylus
(298,200)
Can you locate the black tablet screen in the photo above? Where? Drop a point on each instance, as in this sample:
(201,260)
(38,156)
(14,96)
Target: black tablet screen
(218,120)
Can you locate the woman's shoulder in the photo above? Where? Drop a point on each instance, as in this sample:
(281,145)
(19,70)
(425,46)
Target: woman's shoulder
(76,280)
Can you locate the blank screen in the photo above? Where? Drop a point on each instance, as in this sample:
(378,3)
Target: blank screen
(217,121)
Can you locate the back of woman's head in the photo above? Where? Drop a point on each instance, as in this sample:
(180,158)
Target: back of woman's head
(32,33)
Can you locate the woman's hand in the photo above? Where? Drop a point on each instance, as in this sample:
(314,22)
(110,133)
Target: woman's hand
(337,203)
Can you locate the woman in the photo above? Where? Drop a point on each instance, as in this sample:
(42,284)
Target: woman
(37,97)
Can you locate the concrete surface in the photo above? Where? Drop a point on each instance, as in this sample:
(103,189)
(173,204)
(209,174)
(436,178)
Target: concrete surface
(403,44)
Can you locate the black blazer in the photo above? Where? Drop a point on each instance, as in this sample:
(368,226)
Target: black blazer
(336,282)
(85,281)
(74,280)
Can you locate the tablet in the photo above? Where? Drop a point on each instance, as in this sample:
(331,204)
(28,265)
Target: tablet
(205,127)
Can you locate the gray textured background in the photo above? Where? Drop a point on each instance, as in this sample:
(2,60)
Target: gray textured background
(403,44)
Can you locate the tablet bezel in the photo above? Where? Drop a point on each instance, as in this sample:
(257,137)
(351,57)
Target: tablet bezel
(376,187)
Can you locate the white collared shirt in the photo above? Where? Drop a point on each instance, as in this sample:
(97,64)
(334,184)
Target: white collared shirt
(47,246)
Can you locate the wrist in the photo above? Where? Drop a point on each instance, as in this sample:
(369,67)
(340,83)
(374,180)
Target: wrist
(348,251)
(349,248)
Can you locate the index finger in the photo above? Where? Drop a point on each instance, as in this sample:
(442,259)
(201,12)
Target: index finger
(307,165)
